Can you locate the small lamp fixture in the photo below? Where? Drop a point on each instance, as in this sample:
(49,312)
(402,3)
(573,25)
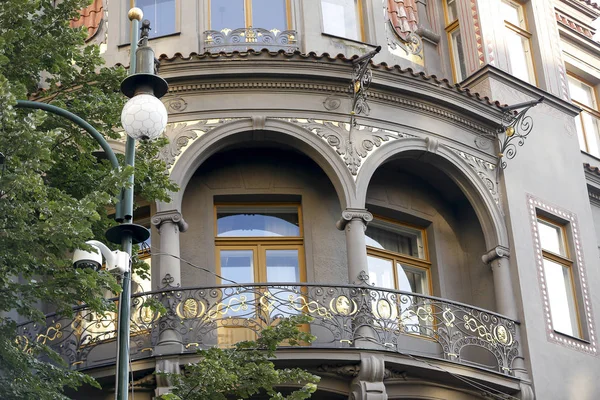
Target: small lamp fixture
(144,116)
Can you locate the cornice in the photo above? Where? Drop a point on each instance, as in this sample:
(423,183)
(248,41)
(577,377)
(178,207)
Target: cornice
(376,94)
(526,88)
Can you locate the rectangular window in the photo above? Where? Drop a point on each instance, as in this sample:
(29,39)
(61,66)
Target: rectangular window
(397,257)
(518,41)
(161,14)
(258,243)
(588,122)
(558,273)
(343,18)
(235,14)
(455,41)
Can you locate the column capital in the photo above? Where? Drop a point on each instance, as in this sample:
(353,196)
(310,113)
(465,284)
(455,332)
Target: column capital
(350,214)
(495,253)
(171,216)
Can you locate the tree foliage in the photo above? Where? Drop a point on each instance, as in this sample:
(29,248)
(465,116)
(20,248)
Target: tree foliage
(54,192)
(246,369)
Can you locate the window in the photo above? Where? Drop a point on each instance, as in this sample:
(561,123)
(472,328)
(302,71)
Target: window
(397,256)
(455,41)
(161,14)
(518,41)
(258,244)
(234,14)
(343,18)
(558,272)
(584,95)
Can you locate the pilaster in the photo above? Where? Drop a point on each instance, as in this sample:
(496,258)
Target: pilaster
(169,224)
(354,222)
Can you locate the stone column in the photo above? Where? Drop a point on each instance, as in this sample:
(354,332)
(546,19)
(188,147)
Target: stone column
(169,224)
(354,221)
(506,303)
(368,385)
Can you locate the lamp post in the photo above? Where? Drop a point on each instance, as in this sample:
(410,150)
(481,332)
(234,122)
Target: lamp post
(144,117)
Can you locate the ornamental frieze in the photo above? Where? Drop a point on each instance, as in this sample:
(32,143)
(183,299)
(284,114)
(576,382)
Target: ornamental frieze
(485,170)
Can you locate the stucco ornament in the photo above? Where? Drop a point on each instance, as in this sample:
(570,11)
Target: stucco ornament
(182,134)
(403,19)
(354,145)
(486,171)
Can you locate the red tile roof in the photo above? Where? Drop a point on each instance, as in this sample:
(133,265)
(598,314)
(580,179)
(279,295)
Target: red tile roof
(90,17)
(403,16)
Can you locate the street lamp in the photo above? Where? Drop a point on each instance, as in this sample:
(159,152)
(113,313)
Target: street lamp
(144,117)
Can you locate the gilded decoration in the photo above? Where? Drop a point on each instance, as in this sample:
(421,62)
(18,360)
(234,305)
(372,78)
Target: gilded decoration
(352,145)
(403,20)
(243,39)
(202,317)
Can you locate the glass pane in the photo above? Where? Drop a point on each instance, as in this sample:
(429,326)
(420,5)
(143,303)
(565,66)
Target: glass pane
(551,237)
(237,266)
(340,18)
(282,266)
(227,14)
(581,92)
(511,13)
(411,279)
(452,10)
(562,298)
(520,56)
(269,14)
(580,133)
(161,14)
(397,238)
(458,55)
(590,124)
(381,273)
(258,221)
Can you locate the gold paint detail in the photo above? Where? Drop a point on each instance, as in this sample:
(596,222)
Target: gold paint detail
(135,13)
(510,131)
(384,309)
(188,309)
(480,329)
(342,305)
(502,335)
(449,317)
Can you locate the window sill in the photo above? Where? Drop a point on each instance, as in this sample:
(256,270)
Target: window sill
(348,39)
(574,338)
(152,38)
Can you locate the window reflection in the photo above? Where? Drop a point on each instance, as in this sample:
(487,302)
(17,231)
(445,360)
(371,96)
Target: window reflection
(341,18)
(161,14)
(257,221)
(227,14)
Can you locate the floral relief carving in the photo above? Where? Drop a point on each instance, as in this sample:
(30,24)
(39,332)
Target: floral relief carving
(175,104)
(486,171)
(352,144)
(181,135)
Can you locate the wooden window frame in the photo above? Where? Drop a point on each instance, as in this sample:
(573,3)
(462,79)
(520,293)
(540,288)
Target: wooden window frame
(360,15)
(523,31)
(248,15)
(565,261)
(398,258)
(450,28)
(594,112)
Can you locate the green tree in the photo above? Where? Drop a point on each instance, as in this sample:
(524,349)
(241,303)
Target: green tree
(246,369)
(54,193)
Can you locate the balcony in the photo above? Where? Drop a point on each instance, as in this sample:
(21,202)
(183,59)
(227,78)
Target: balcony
(243,39)
(344,316)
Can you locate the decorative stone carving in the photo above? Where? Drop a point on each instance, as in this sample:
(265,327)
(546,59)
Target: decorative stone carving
(342,370)
(368,385)
(175,104)
(172,216)
(332,103)
(353,145)
(353,213)
(432,144)
(486,171)
(163,382)
(496,253)
(181,134)
(243,39)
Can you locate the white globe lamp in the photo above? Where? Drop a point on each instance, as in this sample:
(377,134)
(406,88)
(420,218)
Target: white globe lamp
(144,117)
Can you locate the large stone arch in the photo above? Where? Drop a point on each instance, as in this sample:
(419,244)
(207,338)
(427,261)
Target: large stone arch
(269,130)
(462,174)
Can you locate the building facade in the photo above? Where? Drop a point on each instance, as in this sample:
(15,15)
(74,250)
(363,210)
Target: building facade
(444,242)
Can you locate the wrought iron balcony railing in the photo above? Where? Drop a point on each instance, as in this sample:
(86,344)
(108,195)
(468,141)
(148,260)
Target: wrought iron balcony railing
(344,316)
(242,39)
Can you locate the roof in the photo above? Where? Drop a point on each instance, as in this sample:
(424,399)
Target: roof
(591,3)
(281,54)
(591,168)
(90,17)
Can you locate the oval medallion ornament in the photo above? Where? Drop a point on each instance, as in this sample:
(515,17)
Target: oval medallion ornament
(502,335)
(384,309)
(188,309)
(342,305)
